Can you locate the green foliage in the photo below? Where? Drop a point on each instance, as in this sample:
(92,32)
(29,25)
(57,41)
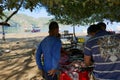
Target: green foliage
(84,11)
(15,4)
(75,12)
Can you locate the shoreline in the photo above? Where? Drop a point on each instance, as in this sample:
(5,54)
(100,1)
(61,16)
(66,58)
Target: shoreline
(24,35)
(31,35)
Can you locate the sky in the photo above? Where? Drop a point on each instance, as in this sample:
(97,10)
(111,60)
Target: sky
(43,13)
(36,13)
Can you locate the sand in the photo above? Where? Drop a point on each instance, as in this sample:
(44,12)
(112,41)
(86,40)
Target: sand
(17,56)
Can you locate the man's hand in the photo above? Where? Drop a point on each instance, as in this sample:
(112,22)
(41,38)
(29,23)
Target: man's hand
(87,60)
(52,72)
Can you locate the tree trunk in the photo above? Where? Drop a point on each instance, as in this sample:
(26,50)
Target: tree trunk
(8,18)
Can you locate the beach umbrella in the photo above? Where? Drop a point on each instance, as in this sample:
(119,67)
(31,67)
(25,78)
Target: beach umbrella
(3,24)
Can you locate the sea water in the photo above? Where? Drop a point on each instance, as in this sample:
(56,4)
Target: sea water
(11,30)
(20,29)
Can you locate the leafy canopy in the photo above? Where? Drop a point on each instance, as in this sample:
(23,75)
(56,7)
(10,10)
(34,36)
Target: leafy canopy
(75,12)
(84,11)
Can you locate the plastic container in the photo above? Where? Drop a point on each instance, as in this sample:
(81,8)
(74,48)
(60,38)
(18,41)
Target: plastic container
(64,76)
(84,75)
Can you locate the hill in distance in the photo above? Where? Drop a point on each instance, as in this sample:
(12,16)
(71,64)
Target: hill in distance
(24,20)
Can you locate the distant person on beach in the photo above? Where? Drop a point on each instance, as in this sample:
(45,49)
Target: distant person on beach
(50,48)
(104,49)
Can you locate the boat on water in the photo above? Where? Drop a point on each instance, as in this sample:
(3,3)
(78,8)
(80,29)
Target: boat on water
(35,29)
(32,29)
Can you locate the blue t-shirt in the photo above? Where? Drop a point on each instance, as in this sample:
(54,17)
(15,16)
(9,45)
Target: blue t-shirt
(105,51)
(50,47)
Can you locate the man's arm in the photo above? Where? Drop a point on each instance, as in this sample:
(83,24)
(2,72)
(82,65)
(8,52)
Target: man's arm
(38,57)
(88,54)
(87,60)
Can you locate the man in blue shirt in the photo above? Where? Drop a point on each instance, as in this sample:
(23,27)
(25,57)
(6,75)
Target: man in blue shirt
(105,52)
(50,47)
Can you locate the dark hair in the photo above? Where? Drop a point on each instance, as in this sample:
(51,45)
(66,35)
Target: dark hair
(53,25)
(101,25)
(93,28)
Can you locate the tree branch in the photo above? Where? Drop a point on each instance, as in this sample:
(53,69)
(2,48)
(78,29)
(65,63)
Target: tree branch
(14,11)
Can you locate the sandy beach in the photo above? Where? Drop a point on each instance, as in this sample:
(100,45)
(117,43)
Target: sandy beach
(17,56)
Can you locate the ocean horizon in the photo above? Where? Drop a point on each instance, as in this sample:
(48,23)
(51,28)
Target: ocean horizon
(44,29)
